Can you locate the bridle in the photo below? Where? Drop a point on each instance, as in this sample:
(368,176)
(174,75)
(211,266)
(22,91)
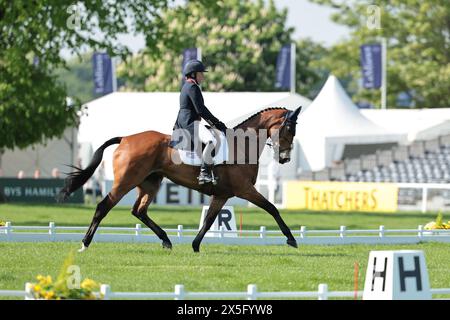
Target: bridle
(287,121)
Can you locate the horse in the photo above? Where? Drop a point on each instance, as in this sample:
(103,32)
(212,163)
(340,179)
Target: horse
(142,160)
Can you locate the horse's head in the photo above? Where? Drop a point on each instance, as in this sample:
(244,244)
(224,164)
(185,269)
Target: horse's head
(282,141)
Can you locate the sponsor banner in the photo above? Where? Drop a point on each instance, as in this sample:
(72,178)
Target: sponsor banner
(341,196)
(283,69)
(174,195)
(103,73)
(371,66)
(35,191)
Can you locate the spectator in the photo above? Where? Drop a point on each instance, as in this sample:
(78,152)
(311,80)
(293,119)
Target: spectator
(55,173)
(21,174)
(37,174)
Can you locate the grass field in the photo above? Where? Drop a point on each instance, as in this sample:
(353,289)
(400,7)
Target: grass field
(148,267)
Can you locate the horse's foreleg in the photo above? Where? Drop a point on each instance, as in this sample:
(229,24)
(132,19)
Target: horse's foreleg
(258,199)
(215,206)
(148,190)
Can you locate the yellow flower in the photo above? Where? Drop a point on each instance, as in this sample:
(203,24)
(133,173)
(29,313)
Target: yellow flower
(44,281)
(37,288)
(89,284)
(430,225)
(49,295)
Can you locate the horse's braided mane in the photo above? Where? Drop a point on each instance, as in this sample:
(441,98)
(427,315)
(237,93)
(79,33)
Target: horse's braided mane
(259,112)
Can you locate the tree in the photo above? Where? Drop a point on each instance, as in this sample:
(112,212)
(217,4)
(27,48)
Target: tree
(418,36)
(33,105)
(239,42)
(77,77)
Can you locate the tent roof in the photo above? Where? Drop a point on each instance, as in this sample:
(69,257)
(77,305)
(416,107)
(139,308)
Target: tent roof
(332,121)
(333,114)
(123,113)
(416,123)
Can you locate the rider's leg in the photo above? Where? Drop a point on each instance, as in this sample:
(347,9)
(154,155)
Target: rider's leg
(207,161)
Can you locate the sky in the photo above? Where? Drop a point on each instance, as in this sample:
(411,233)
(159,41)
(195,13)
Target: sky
(312,20)
(308,19)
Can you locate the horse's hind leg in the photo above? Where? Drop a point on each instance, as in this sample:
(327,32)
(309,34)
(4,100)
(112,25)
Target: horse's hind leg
(147,192)
(111,199)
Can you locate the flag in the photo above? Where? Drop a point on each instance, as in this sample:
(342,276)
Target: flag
(188,55)
(283,70)
(371,65)
(103,73)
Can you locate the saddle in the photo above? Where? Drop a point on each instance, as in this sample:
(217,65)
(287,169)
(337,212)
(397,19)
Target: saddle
(194,158)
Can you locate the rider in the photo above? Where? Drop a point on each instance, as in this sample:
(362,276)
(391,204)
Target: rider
(192,110)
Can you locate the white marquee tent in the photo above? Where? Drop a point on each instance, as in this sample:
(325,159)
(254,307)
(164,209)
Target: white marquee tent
(417,124)
(333,123)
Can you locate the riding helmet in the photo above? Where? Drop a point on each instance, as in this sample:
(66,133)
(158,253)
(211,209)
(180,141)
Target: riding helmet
(194,66)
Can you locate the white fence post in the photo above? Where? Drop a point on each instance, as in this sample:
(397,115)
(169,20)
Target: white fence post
(252,292)
(381,233)
(424,199)
(323,291)
(51,228)
(342,231)
(179,292)
(420,233)
(138,229)
(180,231)
(303,232)
(8,230)
(262,232)
(105,291)
(29,291)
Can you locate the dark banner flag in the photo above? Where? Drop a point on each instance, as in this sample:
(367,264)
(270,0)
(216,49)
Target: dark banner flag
(103,73)
(189,54)
(371,65)
(283,71)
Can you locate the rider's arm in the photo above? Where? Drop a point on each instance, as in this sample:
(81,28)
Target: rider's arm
(197,100)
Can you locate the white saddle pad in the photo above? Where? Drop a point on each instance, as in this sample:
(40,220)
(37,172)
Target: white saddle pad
(221,156)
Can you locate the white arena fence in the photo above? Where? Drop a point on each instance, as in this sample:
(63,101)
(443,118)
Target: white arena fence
(180,293)
(138,234)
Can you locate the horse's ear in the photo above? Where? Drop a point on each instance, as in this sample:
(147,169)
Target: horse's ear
(295,114)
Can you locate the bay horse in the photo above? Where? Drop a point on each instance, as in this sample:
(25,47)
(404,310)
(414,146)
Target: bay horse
(142,160)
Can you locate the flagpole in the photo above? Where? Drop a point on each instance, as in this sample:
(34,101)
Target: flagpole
(293,49)
(384,73)
(113,70)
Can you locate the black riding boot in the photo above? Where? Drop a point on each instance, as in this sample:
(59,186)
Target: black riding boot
(205,169)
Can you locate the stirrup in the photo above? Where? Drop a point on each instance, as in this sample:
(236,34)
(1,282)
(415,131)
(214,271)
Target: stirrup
(204,178)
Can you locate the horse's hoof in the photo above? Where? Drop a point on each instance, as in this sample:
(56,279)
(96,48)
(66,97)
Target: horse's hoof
(167,245)
(292,243)
(83,248)
(196,248)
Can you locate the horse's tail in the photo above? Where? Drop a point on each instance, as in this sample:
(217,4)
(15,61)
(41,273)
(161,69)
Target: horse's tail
(79,177)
